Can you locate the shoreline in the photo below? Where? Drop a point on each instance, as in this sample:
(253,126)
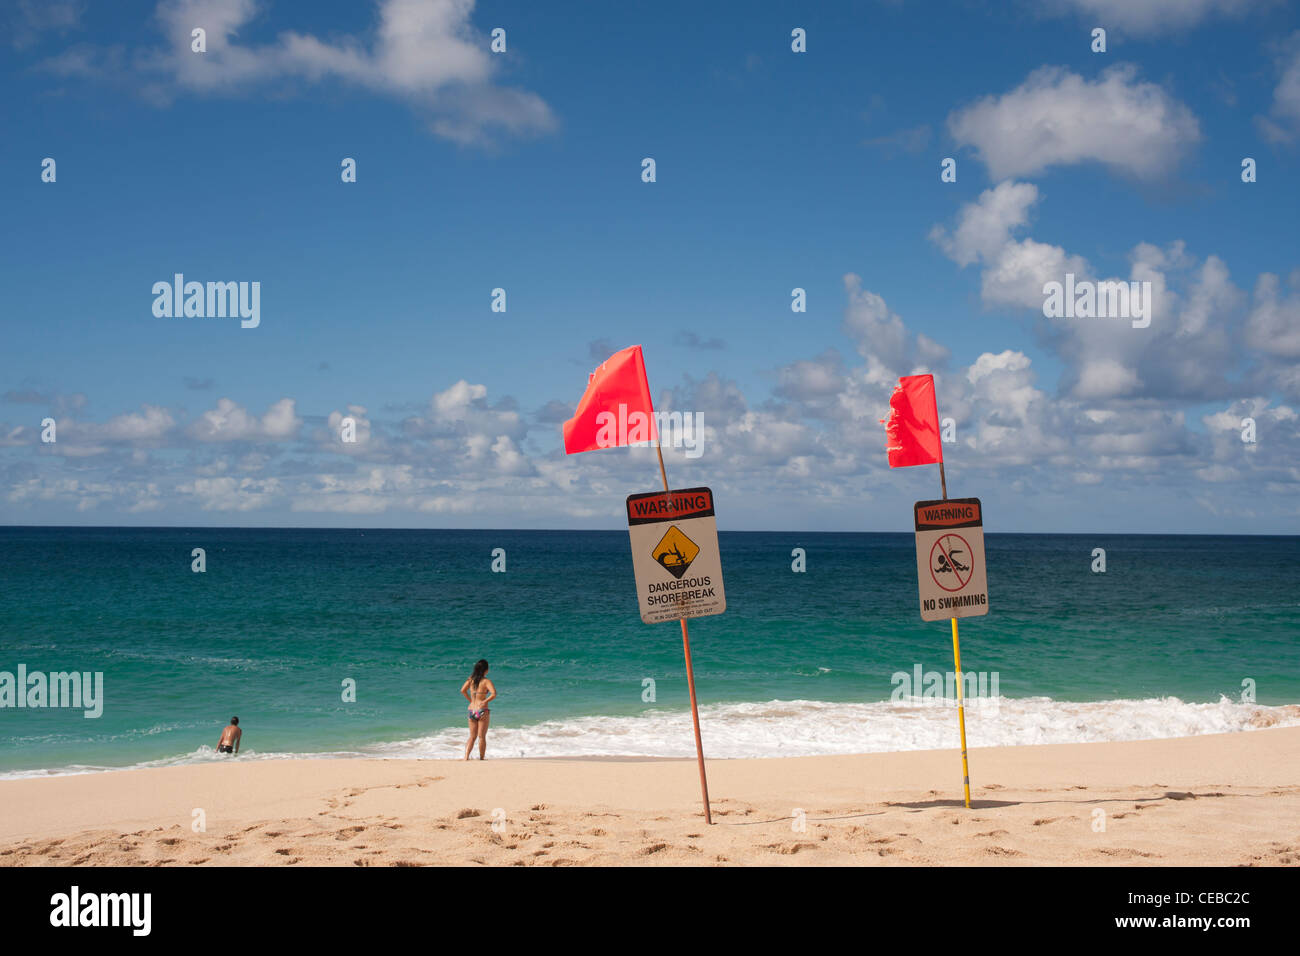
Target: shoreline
(448,742)
(1212,799)
(1261,717)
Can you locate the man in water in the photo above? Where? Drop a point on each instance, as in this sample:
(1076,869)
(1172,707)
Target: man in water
(229,742)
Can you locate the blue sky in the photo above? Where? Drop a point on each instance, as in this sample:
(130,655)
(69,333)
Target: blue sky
(775,170)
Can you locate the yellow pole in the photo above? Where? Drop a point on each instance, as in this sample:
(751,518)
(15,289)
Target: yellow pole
(961,714)
(956,657)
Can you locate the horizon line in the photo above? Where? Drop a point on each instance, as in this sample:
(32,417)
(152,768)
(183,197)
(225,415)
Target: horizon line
(187,527)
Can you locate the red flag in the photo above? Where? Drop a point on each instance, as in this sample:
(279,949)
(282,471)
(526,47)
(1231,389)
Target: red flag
(615,409)
(912,429)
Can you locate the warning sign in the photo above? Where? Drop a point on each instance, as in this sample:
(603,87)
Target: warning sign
(675,551)
(950,559)
(675,554)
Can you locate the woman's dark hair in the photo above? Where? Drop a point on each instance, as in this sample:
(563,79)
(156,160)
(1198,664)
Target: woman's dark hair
(479,670)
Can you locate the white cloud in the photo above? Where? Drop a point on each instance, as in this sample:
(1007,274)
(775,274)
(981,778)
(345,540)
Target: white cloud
(420,46)
(425,52)
(985,226)
(231,494)
(1151,17)
(365,441)
(1100,378)
(1014,270)
(451,404)
(462,412)
(232,422)
(816,436)
(152,425)
(32,18)
(1056,117)
(812,380)
(1187,351)
(1273,326)
(881,338)
(1282,124)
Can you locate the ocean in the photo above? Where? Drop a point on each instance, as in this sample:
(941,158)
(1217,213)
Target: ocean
(1180,635)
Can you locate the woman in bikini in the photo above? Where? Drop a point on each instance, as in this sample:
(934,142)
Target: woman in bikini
(480,692)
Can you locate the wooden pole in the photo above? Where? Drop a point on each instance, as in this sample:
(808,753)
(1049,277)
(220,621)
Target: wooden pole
(690,678)
(956,658)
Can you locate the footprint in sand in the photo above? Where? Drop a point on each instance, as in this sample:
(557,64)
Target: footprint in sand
(789,848)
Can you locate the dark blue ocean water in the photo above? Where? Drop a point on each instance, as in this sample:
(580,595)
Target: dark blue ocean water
(281,618)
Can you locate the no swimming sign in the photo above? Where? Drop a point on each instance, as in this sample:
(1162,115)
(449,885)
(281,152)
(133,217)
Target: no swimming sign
(675,555)
(950,569)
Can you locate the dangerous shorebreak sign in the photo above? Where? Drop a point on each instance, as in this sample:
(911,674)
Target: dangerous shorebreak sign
(950,559)
(675,555)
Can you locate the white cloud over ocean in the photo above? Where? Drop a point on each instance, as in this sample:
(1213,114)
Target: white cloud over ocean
(1057,117)
(426,53)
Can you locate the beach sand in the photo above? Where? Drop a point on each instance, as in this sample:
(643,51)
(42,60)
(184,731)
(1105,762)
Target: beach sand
(1227,799)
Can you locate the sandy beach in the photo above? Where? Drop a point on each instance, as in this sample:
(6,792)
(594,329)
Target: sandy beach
(1228,799)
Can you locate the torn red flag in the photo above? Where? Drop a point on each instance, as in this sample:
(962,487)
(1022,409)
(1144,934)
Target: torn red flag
(912,429)
(615,409)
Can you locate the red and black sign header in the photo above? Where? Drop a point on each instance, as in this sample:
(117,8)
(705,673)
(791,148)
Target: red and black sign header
(952,513)
(669,505)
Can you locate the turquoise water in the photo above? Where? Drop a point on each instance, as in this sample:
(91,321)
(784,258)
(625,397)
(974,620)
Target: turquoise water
(281,618)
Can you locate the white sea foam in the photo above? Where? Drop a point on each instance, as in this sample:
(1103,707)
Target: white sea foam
(808,727)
